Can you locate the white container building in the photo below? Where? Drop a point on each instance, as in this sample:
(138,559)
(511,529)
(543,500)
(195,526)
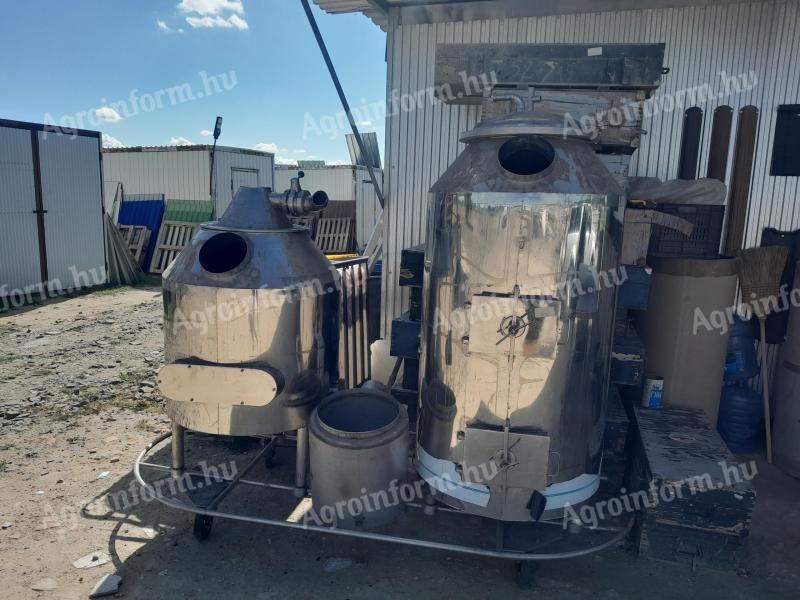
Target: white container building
(184,172)
(52,233)
(341,183)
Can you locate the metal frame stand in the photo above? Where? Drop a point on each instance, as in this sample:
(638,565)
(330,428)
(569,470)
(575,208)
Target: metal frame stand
(206,511)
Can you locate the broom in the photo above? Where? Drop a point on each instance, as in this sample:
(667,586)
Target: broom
(760,271)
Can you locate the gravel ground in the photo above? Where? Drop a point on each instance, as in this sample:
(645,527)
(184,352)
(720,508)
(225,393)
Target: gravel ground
(78,403)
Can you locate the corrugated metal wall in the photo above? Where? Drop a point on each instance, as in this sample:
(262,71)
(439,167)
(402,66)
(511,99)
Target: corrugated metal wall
(72,196)
(225,160)
(345,182)
(701,43)
(176,174)
(182,174)
(19,245)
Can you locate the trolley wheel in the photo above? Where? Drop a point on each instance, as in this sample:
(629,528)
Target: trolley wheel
(525,572)
(202,527)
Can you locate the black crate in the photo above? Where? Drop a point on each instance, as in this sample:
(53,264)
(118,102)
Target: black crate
(405,337)
(704,239)
(412,265)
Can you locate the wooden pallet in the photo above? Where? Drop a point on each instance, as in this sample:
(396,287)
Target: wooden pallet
(334,235)
(136,238)
(172,238)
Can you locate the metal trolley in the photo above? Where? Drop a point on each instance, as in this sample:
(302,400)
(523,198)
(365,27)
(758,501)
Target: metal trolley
(425,523)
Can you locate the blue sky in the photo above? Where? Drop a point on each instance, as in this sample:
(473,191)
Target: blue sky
(132,69)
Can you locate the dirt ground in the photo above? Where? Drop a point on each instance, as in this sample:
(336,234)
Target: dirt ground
(78,403)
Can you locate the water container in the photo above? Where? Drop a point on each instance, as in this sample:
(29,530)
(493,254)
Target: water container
(741,362)
(740,418)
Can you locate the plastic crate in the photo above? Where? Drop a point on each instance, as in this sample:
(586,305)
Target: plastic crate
(704,240)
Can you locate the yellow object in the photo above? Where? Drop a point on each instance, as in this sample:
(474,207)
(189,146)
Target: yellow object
(335,257)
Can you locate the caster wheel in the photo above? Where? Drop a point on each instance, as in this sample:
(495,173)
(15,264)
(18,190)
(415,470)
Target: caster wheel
(525,571)
(202,527)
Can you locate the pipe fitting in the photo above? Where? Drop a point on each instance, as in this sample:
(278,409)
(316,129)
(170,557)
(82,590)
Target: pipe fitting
(298,202)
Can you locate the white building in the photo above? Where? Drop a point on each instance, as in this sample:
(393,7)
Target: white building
(706,40)
(184,172)
(52,235)
(341,183)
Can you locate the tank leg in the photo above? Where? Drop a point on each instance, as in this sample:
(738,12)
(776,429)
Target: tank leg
(301,467)
(525,573)
(178,457)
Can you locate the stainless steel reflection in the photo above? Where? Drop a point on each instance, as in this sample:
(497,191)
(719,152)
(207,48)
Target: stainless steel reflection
(519,302)
(250,319)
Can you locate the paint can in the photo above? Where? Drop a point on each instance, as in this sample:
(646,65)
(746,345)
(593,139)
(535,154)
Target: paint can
(653,391)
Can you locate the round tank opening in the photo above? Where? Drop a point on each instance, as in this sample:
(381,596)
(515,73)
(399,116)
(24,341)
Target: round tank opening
(358,413)
(320,199)
(526,155)
(223,252)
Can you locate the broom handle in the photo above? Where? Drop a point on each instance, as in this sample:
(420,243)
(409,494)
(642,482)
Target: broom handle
(765,388)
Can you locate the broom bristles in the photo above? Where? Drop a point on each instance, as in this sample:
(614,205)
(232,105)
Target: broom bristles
(760,272)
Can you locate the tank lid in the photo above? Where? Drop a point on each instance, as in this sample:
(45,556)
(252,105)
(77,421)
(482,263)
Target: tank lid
(253,209)
(522,123)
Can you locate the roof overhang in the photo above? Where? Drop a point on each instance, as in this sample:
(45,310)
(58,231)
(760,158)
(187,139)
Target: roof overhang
(438,11)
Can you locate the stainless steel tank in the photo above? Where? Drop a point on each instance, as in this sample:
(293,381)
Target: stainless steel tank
(519,304)
(250,319)
(359,458)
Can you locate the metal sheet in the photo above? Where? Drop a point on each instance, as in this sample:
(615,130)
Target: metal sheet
(72,195)
(19,250)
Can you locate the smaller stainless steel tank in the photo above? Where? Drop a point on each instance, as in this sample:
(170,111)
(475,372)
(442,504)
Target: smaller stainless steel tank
(250,319)
(359,458)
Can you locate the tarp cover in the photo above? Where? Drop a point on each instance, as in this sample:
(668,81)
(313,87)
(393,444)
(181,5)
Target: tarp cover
(677,191)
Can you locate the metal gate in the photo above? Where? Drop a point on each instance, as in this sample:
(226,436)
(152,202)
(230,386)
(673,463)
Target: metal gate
(20,268)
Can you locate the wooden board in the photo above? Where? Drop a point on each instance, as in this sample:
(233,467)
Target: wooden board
(334,235)
(720,143)
(172,238)
(739,199)
(707,522)
(136,238)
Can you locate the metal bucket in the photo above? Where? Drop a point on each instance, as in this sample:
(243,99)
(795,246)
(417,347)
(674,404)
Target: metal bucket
(359,458)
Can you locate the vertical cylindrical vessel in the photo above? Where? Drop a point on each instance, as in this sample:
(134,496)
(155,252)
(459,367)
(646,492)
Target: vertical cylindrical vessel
(359,458)
(519,300)
(250,319)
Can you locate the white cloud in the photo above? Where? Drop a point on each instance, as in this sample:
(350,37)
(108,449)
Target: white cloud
(238,22)
(107,114)
(211,7)
(301,151)
(336,163)
(364,123)
(162,25)
(227,14)
(264,147)
(206,133)
(111,142)
(280,160)
(217,21)
(179,141)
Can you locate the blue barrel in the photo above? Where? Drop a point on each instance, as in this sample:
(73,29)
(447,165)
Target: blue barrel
(741,362)
(740,419)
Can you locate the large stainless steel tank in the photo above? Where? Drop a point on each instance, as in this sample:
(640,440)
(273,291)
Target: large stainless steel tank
(519,303)
(250,319)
